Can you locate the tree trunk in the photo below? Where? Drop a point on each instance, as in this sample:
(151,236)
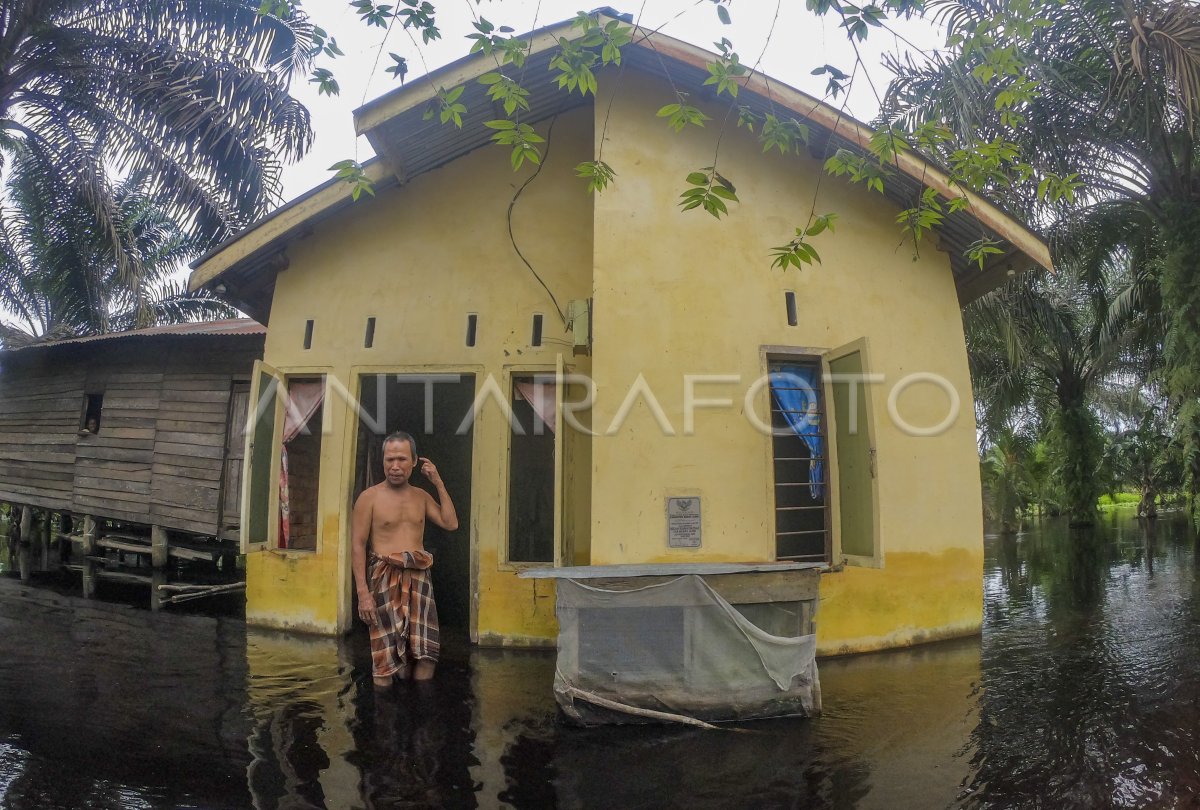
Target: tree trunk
(1147,508)
(1078,433)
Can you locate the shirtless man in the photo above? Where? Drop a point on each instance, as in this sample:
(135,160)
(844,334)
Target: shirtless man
(395,592)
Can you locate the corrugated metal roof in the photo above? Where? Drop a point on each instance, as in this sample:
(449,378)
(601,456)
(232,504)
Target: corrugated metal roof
(223,328)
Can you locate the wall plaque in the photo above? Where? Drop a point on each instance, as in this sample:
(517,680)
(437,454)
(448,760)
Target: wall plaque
(683,522)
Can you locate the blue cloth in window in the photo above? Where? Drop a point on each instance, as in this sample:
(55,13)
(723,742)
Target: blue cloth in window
(795,390)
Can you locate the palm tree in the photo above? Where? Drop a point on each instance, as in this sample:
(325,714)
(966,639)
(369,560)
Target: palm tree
(1039,348)
(1119,103)
(59,277)
(1007,480)
(190,96)
(1143,454)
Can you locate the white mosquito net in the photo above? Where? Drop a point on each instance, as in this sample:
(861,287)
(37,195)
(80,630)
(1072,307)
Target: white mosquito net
(677,650)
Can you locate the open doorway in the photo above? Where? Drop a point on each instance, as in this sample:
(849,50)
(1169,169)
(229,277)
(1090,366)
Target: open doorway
(431,408)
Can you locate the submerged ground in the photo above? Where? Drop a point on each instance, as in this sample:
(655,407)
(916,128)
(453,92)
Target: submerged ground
(1084,691)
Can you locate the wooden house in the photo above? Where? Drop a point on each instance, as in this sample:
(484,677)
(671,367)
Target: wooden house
(140,431)
(596,374)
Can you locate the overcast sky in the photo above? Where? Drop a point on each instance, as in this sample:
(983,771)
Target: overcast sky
(800,42)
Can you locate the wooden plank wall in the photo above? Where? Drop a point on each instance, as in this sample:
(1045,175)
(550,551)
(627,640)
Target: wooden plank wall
(158,456)
(189,446)
(40,412)
(112,468)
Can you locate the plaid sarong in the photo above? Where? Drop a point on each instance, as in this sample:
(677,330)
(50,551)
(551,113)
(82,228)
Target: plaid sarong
(408,620)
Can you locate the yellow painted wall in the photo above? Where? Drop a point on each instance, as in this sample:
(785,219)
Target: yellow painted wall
(675,293)
(419,258)
(680,293)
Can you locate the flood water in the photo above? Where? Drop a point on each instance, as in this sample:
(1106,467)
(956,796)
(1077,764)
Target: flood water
(1084,691)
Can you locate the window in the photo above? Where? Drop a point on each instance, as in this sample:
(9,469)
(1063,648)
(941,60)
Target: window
(283,461)
(260,456)
(531,471)
(857,497)
(93,407)
(300,463)
(800,451)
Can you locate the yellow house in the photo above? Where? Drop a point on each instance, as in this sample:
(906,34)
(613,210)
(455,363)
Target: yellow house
(590,371)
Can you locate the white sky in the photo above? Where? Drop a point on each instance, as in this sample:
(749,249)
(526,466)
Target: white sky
(799,43)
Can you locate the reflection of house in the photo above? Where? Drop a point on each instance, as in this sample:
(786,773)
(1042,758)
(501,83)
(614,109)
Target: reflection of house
(417,303)
(142,428)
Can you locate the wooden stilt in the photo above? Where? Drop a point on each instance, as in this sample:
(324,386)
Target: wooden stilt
(158,578)
(159,557)
(6,534)
(159,550)
(11,533)
(47,522)
(89,552)
(24,562)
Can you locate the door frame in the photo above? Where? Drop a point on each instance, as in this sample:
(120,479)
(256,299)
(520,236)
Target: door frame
(350,455)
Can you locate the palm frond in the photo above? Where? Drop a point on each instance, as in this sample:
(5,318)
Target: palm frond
(190,94)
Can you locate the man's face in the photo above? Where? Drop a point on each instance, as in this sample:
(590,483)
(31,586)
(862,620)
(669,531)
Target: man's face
(398,462)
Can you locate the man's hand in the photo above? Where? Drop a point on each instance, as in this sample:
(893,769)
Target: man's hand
(367,610)
(430,471)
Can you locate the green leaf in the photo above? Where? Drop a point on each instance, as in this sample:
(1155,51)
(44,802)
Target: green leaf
(820,224)
(747,118)
(598,174)
(400,68)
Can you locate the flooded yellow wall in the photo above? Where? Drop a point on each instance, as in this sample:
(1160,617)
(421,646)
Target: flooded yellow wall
(419,259)
(680,293)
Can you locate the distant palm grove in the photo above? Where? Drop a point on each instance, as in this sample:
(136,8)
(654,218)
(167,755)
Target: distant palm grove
(1088,381)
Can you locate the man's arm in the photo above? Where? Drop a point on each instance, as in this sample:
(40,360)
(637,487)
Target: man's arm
(441,511)
(360,530)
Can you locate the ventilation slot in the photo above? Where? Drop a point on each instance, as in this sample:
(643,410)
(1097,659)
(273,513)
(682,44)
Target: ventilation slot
(369,339)
(537,330)
(789,299)
(472,326)
(308,330)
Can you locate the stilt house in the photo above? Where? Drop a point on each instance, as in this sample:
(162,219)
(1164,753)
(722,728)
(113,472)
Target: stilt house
(143,428)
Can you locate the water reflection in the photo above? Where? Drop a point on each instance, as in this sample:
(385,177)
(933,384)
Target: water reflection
(1090,670)
(1082,693)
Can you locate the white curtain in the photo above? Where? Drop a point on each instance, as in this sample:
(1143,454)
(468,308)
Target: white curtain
(541,397)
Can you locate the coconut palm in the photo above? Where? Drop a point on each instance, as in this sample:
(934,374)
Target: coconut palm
(58,269)
(1118,103)
(190,96)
